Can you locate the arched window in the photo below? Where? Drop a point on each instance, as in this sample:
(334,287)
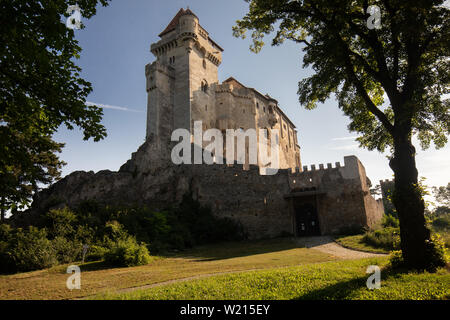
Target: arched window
(204,86)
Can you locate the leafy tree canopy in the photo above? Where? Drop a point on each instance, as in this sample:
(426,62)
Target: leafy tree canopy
(406,59)
(40,90)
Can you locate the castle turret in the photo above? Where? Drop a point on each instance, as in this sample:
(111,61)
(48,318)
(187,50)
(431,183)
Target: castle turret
(187,62)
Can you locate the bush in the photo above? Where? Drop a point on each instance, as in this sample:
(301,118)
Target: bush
(396,259)
(389,221)
(66,250)
(438,255)
(441,223)
(96,253)
(31,250)
(387,238)
(126,253)
(60,223)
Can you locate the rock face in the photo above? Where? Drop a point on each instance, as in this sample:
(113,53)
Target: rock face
(332,199)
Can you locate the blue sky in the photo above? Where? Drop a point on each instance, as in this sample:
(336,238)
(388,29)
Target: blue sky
(116,46)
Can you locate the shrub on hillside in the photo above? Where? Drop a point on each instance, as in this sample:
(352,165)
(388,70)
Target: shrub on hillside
(60,223)
(66,250)
(389,221)
(126,253)
(6,262)
(442,223)
(96,253)
(387,238)
(30,250)
(439,256)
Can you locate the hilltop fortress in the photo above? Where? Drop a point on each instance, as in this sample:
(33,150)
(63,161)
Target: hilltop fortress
(183,87)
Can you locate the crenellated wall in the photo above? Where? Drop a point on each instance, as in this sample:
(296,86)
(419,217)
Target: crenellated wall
(262,203)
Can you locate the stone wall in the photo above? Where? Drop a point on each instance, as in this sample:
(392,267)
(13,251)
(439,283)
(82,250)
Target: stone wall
(262,203)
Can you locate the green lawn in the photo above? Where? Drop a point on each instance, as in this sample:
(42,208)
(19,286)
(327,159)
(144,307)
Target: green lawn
(356,242)
(281,270)
(331,280)
(97,278)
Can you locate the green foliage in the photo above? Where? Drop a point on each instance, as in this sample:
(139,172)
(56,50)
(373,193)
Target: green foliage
(113,234)
(179,227)
(367,62)
(60,222)
(28,250)
(67,251)
(396,259)
(41,89)
(390,221)
(441,223)
(387,238)
(439,256)
(442,195)
(96,253)
(126,253)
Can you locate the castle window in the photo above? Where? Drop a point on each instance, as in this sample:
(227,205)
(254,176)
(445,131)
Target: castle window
(205,86)
(204,63)
(206,108)
(264,109)
(257,105)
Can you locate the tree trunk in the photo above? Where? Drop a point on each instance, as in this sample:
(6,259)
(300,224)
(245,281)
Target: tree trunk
(2,210)
(409,203)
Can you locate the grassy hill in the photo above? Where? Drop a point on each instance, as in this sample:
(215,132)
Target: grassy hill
(266,269)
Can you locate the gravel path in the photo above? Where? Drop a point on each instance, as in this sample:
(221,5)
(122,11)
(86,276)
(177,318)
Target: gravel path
(327,245)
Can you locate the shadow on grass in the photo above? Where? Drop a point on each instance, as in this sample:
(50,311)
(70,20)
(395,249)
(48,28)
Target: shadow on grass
(228,250)
(338,291)
(343,290)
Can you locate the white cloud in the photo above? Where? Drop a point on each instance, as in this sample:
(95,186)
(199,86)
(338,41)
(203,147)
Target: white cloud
(106,106)
(344,138)
(347,147)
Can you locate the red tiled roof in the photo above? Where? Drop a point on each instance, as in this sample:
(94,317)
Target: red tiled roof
(173,24)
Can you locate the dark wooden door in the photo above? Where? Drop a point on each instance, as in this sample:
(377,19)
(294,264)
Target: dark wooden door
(306,220)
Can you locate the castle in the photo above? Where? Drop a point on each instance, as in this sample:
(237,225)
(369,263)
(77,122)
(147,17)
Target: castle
(183,88)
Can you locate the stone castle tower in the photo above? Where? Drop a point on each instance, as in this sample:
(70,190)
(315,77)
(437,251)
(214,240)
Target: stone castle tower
(183,87)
